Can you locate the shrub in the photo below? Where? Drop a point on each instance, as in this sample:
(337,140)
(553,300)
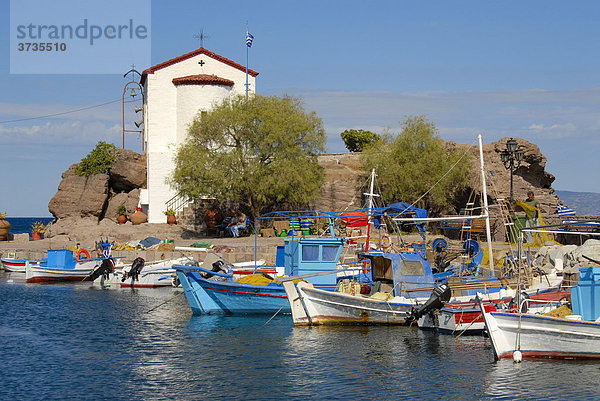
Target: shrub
(98,161)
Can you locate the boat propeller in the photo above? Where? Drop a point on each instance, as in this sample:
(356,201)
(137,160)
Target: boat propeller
(440,295)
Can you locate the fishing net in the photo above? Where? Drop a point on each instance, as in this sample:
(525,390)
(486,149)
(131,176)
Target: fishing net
(539,239)
(255,279)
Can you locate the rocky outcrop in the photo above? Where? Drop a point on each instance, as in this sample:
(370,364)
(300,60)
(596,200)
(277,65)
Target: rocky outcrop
(529,176)
(99,195)
(128,172)
(79,196)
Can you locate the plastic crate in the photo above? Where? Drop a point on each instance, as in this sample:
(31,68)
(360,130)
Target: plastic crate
(585,296)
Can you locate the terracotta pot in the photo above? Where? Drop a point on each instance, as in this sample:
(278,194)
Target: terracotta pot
(4,229)
(122,219)
(171,219)
(138,217)
(36,236)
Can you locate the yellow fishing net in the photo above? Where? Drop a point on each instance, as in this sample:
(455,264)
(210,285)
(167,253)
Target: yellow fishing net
(255,279)
(538,238)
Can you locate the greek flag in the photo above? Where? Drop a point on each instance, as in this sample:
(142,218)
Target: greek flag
(564,211)
(249,39)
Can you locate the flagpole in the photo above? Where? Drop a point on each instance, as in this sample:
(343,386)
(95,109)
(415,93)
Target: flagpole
(247,47)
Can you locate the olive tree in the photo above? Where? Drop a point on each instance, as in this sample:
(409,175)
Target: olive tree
(411,163)
(356,139)
(258,152)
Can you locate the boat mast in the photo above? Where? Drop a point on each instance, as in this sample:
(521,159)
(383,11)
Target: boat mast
(370,208)
(485,207)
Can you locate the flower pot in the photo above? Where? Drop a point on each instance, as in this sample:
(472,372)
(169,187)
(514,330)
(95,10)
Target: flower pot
(138,217)
(36,236)
(4,229)
(122,219)
(171,219)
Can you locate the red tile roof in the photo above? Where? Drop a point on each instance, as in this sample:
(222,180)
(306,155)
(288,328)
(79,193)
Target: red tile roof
(196,52)
(202,79)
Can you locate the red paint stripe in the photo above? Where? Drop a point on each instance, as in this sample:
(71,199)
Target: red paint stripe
(551,354)
(248,293)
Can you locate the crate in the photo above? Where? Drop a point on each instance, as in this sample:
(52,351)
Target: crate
(585,296)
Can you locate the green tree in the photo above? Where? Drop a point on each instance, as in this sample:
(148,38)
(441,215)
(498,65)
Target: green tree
(259,153)
(410,164)
(357,139)
(98,161)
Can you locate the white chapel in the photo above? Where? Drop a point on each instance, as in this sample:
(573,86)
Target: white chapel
(175,92)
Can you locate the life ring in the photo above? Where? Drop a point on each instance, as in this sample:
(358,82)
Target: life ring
(79,252)
(386,241)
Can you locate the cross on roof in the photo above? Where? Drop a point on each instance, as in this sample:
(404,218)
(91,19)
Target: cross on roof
(201,36)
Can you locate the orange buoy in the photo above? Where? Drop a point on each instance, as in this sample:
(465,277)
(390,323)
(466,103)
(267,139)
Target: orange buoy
(79,252)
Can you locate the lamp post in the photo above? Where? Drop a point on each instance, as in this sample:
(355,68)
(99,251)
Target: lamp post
(133,94)
(511,157)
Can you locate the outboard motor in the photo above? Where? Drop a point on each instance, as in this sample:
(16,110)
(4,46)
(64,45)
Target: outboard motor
(217,267)
(440,295)
(134,272)
(105,269)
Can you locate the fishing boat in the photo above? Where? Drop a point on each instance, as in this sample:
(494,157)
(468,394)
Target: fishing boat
(216,291)
(60,265)
(528,335)
(314,306)
(16,265)
(538,336)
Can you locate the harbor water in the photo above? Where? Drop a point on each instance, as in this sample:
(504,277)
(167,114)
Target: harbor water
(79,342)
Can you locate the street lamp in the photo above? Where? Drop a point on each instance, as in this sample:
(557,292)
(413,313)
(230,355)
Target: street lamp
(132,84)
(511,157)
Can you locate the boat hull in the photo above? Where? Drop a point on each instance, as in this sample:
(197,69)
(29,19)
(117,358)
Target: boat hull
(46,274)
(537,336)
(313,306)
(466,317)
(16,265)
(230,297)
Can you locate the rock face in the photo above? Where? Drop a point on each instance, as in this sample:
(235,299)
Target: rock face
(529,176)
(80,196)
(99,195)
(128,172)
(342,186)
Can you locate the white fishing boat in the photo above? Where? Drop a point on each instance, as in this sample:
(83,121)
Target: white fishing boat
(521,335)
(16,265)
(60,265)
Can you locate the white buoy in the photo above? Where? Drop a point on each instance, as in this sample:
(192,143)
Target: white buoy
(517,356)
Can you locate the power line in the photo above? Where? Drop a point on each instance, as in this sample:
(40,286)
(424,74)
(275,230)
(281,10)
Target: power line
(65,112)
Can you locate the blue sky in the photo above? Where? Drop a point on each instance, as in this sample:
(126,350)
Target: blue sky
(501,68)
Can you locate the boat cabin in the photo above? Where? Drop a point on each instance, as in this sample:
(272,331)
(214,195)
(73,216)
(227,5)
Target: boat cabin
(312,255)
(59,258)
(403,273)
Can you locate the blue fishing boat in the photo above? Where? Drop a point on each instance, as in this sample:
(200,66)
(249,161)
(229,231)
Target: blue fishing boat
(216,292)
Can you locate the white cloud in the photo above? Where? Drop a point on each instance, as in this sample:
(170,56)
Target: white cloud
(534,114)
(61,133)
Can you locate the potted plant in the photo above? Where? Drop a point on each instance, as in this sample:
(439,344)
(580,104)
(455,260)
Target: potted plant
(4,227)
(170,213)
(122,215)
(37,229)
